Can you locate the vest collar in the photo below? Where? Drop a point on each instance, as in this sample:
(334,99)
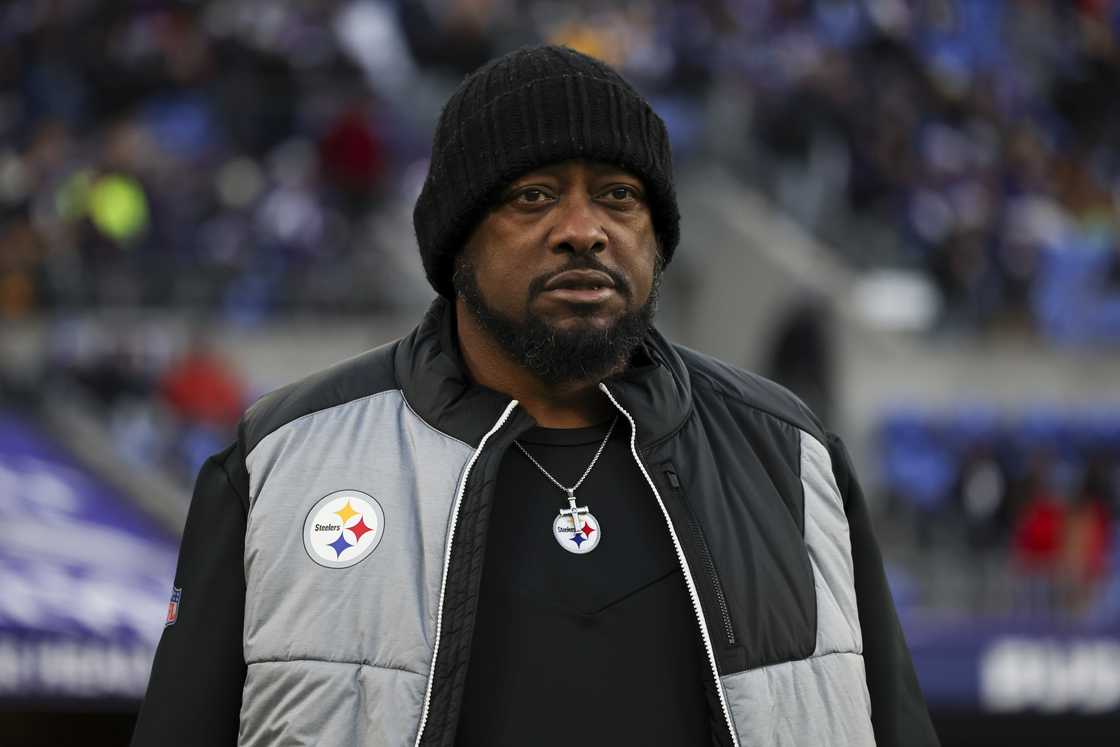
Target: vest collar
(655,389)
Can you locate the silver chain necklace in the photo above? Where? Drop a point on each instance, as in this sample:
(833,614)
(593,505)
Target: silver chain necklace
(566,526)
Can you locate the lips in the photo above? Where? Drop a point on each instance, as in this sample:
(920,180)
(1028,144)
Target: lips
(580,280)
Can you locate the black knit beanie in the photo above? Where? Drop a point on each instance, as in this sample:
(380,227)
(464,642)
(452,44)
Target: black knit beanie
(532,107)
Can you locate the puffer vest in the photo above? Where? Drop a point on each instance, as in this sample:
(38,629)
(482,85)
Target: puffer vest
(366,640)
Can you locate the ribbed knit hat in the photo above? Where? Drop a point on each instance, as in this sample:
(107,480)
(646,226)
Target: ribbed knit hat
(532,107)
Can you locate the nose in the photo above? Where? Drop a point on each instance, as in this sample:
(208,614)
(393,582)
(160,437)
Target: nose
(578,229)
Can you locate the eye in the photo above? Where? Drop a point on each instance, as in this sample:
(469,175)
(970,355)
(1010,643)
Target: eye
(531,196)
(622,193)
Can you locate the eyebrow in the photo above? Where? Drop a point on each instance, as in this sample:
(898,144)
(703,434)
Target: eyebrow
(551,171)
(611,170)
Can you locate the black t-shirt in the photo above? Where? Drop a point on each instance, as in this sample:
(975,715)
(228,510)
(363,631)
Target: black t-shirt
(593,649)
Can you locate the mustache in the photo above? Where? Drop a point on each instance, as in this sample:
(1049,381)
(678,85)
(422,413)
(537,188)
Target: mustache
(581,262)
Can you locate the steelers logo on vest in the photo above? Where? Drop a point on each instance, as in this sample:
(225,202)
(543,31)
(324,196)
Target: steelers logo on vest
(343,528)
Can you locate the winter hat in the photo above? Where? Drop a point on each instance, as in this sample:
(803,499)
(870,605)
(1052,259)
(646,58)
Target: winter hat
(532,107)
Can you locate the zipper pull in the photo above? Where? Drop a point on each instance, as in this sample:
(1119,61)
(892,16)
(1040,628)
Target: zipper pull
(673,480)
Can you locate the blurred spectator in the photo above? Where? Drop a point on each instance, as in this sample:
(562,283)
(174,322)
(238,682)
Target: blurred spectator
(801,357)
(1089,533)
(983,494)
(353,154)
(202,388)
(1040,523)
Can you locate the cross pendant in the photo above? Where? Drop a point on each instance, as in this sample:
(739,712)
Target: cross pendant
(574,511)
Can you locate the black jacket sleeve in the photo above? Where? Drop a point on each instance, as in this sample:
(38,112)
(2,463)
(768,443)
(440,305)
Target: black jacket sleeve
(194,692)
(898,710)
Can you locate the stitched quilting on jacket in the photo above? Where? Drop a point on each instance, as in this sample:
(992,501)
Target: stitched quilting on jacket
(769,525)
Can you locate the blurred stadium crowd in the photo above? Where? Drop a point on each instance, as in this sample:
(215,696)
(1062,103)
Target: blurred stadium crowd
(976,140)
(206,154)
(243,160)
(1031,498)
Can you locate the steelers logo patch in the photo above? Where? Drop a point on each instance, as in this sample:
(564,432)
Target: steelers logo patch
(343,528)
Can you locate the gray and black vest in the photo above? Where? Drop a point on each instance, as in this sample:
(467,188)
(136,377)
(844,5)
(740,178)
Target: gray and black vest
(363,637)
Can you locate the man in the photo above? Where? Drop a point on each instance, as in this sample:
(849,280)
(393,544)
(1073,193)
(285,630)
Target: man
(533,520)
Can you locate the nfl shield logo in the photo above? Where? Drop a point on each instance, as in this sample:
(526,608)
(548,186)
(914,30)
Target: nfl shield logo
(173,606)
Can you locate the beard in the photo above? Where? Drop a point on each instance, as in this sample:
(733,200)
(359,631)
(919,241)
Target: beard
(562,356)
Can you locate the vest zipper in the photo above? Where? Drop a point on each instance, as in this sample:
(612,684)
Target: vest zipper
(447,562)
(689,581)
(706,556)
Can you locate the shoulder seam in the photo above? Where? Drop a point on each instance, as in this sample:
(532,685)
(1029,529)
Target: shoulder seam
(722,392)
(404,399)
(307,415)
(296,389)
(430,426)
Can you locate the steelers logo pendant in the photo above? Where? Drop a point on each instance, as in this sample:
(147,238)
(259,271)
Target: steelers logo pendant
(578,532)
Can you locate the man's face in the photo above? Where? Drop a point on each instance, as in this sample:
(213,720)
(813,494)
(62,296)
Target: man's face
(563,271)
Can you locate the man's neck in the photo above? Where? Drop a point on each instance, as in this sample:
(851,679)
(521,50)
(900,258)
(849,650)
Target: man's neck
(572,405)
